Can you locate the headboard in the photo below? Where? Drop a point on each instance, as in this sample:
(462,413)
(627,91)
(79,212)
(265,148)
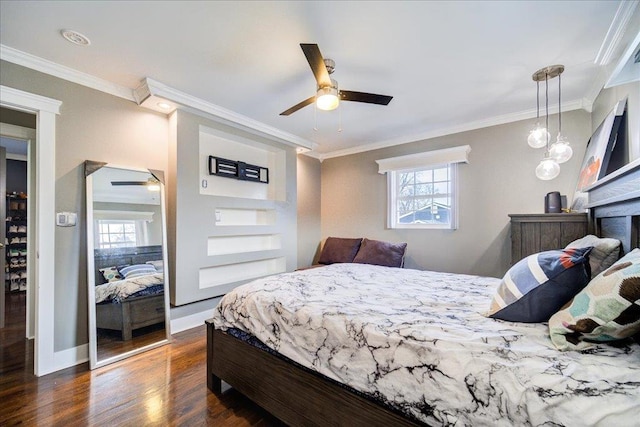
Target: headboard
(120,256)
(614,205)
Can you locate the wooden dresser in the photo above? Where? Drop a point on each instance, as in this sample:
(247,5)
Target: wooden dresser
(531,233)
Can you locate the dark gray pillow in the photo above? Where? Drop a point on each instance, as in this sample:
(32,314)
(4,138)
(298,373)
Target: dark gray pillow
(338,249)
(382,253)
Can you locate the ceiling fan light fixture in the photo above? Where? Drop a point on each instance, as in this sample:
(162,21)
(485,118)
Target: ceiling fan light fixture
(327,98)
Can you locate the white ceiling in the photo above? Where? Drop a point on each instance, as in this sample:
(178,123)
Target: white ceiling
(449,65)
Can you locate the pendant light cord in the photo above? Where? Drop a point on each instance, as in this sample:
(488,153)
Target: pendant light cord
(559,104)
(537,100)
(546,98)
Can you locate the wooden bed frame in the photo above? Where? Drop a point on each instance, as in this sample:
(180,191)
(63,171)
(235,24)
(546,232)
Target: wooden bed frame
(300,397)
(132,313)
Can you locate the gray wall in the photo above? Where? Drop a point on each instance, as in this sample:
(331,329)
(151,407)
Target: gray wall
(308,209)
(95,126)
(499,180)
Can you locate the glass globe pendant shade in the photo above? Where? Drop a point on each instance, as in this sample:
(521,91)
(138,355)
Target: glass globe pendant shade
(327,98)
(560,150)
(538,137)
(547,169)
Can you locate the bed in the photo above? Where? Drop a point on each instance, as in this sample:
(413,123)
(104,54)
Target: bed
(420,350)
(132,303)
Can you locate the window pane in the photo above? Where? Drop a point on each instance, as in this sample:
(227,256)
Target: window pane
(441,174)
(441,188)
(424,189)
(424,176)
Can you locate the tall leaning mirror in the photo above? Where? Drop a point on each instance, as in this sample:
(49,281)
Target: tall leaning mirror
(127,262)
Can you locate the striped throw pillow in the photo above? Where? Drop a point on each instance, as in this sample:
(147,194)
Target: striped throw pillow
(540,284)
(137,270)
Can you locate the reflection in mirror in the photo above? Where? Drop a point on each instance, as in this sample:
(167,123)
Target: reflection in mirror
(127,262)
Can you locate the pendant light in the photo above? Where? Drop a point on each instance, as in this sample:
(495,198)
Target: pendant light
(548,168)
(538,135)
(560,150)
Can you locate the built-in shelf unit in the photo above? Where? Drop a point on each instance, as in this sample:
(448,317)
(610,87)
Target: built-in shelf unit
(228,231)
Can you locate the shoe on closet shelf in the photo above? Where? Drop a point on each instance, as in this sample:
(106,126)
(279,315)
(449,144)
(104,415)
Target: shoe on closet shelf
(22,252)
(14,240)
(14,261)
(23,240)
(13,229)
(23,285)
(22,229)
(23,274)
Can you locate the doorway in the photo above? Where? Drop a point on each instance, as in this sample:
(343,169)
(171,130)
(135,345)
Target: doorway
(17,133)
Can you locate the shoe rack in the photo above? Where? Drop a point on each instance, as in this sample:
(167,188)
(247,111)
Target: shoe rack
(16,243)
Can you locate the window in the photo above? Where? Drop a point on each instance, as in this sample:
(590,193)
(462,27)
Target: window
(116,234)
(121,229)
(422,188)
(423,198)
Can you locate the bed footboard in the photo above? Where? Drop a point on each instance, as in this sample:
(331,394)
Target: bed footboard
(294,395)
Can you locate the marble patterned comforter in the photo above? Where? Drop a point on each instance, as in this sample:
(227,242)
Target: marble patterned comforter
(121,289)
(417,341)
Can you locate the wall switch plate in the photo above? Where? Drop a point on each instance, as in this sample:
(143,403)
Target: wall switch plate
(218,216)
(204,183)
(66,219)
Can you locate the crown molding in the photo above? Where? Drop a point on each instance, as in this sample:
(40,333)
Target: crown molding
(616,32)
(222,115)
(478,124)
(188,102)
(24,59)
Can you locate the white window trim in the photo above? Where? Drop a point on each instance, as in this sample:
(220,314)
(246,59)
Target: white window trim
(419,161)
(425,159)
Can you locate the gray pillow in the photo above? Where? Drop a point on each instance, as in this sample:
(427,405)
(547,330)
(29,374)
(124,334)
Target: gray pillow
(382,253)
(339,249)
(604,254)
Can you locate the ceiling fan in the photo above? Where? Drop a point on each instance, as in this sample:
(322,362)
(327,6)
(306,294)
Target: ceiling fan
(328,96)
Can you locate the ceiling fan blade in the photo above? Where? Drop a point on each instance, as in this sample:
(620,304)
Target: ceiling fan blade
(369,98)
(129,182)
(299,106)
(316,62)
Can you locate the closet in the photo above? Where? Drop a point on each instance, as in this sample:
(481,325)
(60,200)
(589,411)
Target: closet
(15,260)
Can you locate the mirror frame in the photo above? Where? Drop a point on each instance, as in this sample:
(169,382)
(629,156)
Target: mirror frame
(89,168)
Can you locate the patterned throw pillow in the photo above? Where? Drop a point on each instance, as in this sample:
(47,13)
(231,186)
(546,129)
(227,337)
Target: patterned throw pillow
(605,252)
(607,309)
(111,274)
(540,284)
(137,270)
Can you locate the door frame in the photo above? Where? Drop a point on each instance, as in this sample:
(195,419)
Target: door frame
(46,110)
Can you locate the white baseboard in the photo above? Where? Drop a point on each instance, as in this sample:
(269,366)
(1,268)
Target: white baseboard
(191,321)
(80,354)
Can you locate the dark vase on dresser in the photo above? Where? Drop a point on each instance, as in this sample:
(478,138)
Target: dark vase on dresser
(531,233)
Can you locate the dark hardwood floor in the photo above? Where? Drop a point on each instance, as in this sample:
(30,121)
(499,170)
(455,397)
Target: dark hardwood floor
(164,386)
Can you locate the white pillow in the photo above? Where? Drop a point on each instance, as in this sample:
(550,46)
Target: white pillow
(604,254)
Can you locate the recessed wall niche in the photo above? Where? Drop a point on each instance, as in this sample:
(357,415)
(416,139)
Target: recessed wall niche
(236,148)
